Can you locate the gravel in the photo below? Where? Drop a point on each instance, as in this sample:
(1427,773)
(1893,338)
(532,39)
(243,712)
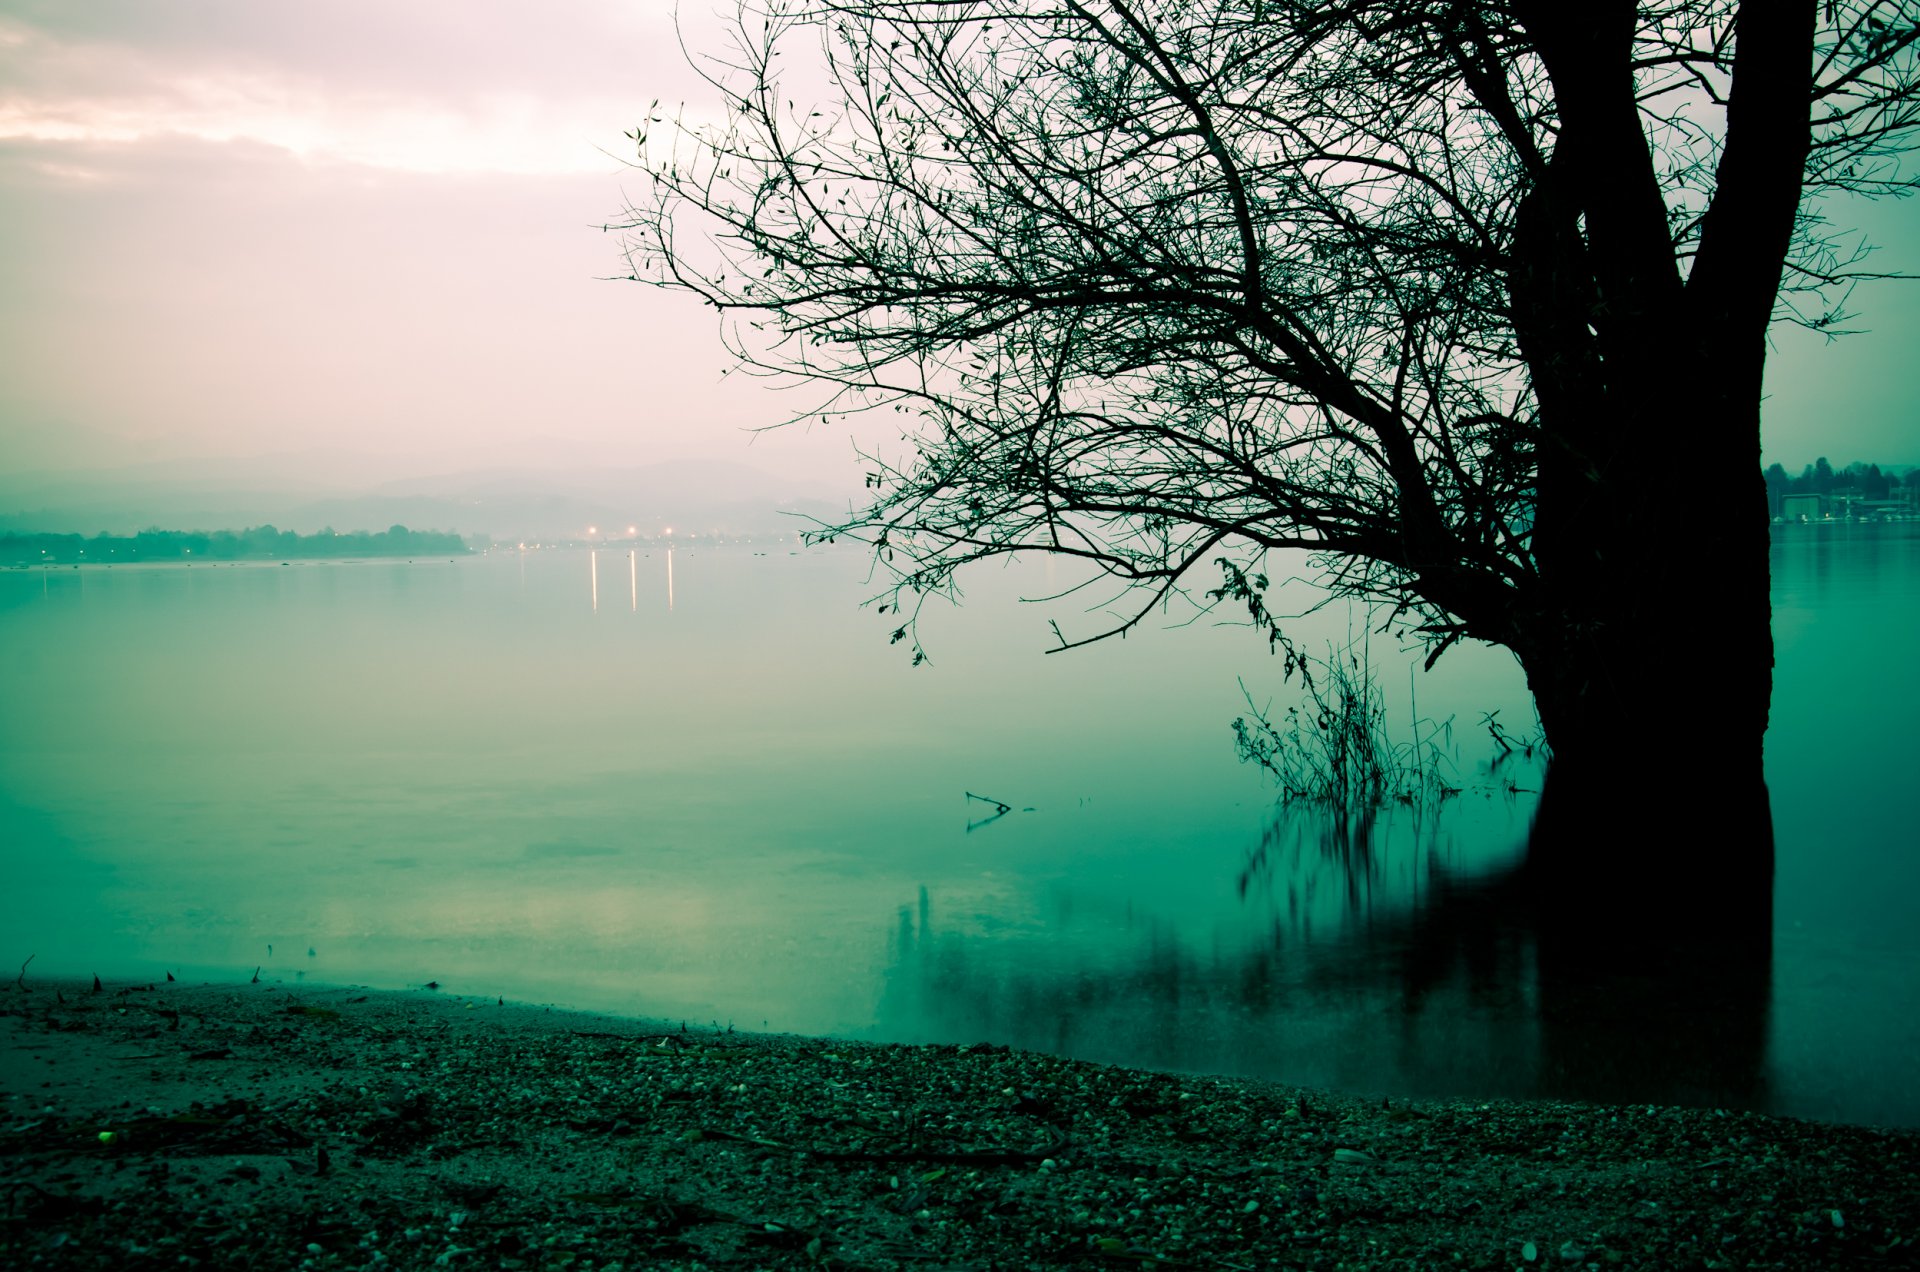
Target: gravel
(259,1126)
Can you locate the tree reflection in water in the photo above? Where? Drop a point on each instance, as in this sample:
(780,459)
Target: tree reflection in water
(1364,956)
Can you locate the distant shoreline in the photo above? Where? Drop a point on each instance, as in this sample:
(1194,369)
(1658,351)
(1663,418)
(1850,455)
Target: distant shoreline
(192,547)
(28,567)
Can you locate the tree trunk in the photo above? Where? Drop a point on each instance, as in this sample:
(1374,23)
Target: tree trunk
(1649,642)
(1651,663)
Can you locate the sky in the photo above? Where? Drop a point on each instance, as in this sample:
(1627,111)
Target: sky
(368,236)
(348,232)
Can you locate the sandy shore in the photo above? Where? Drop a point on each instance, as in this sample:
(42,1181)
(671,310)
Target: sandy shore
(261,1126)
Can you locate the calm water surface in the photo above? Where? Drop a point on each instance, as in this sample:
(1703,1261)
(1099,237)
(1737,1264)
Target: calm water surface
(547,776)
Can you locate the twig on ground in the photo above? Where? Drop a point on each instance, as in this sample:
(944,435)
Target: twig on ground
(961,1157)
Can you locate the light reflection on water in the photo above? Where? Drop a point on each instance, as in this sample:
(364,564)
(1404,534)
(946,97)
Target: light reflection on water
(469,772)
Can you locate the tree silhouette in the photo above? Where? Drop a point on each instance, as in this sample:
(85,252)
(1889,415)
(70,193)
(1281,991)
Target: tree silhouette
(1408,284)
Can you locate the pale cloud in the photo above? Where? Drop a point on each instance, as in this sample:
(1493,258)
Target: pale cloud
(61,91)
(500,135)
(368,227)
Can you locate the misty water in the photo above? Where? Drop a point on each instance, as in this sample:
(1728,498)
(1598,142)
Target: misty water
(707,788)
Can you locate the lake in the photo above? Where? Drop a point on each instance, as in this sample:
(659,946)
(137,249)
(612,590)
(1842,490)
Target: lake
(703,786)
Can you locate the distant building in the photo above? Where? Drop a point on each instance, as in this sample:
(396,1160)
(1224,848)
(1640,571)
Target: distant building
(1799,507)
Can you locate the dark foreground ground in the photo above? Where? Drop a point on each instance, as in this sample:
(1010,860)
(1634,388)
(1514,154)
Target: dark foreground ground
(167,1126)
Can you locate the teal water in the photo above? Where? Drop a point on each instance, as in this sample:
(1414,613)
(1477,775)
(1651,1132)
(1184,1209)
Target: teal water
(1842,760)
(548,777)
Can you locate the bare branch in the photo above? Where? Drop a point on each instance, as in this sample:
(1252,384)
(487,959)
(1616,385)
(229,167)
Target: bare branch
(1151,287)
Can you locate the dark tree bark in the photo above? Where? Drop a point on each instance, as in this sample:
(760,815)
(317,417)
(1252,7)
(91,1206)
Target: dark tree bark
(1633,637)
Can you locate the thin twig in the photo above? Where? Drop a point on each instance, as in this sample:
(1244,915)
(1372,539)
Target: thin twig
(961,1157)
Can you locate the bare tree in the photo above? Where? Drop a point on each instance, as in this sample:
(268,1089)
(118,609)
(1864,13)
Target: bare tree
(1404,283)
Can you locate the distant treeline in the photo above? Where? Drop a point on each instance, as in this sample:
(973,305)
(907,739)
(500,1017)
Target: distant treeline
(256,544)
(1821,478)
